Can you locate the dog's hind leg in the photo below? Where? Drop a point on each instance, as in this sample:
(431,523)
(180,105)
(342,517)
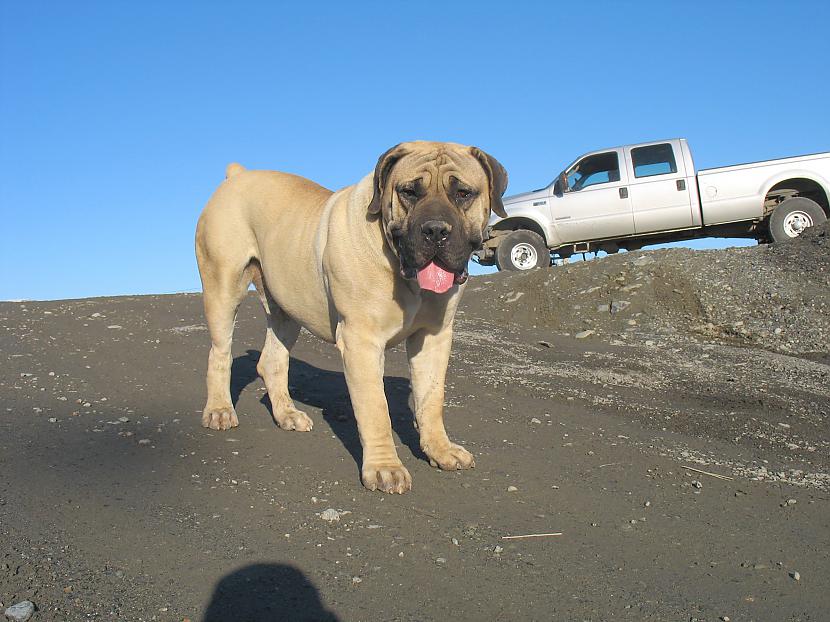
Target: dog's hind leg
(224,288)
(280,336)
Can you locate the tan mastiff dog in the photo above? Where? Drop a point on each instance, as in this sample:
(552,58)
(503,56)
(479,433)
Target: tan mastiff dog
(367,267)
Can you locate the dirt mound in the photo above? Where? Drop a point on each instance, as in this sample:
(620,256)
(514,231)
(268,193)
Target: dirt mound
(808,254)
(775,297)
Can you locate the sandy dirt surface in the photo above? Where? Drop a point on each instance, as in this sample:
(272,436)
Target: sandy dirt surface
(115,504)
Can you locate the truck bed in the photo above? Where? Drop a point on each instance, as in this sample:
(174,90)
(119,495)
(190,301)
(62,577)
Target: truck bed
(736,193)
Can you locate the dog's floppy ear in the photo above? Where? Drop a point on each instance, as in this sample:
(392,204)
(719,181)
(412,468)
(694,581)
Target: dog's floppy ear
(382,170)
(498,179)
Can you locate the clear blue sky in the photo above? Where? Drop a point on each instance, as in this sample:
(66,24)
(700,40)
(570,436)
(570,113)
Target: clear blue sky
(117,119)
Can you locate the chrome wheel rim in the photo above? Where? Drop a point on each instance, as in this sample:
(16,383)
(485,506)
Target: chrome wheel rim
(796,222)
(523,256)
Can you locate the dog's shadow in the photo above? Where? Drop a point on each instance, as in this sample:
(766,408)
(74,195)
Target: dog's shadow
(327,391)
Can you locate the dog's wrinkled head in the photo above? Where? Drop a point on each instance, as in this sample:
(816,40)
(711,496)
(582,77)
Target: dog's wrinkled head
(435,200)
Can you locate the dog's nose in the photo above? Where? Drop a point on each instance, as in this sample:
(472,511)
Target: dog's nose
(436,230)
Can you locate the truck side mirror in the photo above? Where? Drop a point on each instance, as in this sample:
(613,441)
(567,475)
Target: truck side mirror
(561,186)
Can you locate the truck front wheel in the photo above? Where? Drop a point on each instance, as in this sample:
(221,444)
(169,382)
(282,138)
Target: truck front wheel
(792,216)
(522,250)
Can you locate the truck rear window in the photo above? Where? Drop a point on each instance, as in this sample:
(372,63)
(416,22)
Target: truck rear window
(653,160)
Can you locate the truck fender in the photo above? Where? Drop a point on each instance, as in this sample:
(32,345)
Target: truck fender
(525,219)
(770,183)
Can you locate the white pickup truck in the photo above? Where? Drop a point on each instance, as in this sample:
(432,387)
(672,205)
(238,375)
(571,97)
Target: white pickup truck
(631,196)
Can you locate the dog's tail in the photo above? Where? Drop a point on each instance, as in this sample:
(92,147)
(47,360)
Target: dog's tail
(233,169)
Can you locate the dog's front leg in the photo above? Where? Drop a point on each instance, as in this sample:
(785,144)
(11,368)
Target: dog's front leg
(429,354)
(363,358)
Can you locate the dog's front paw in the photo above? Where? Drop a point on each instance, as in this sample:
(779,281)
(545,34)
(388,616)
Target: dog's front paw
(293,419)
(450,458)
(221,418)
(391,478)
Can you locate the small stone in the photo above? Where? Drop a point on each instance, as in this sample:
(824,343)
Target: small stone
(697,484)
(455,541)
(20,612)
(144,441)
(356,580)
(535,420)
(725,618)
(791,501)
(400,554)
(331,515)
(795,576)
(53,419)
(124,419)
(647,504)
(114,326)
(583,334)
(440,561)
(497,549)
(511,489)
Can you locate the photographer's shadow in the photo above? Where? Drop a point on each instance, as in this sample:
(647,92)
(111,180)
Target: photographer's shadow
(267,593)
(327,391)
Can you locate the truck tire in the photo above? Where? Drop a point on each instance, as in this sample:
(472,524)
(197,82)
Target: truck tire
(522,250)
(792,216)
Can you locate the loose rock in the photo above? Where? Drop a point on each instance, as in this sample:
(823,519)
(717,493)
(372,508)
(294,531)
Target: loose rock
(331,515)
(20,612)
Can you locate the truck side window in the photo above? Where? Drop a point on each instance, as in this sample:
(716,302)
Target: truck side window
(601,168)
(653,160)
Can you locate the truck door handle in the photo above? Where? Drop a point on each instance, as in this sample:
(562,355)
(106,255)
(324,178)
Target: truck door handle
(623,193)
(681,184)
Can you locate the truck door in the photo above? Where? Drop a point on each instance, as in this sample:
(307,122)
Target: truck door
(659,190)
(595,203)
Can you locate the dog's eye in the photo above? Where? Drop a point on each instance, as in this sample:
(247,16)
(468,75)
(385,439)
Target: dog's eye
(462,194)
(408,193)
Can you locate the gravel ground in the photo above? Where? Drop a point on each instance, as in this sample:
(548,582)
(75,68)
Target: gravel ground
(609,428)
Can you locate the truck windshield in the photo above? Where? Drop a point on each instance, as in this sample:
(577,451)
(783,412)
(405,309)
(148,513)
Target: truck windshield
(600,168)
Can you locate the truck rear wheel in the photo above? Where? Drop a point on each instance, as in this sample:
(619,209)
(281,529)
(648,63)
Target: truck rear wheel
(522,250)
(792,216)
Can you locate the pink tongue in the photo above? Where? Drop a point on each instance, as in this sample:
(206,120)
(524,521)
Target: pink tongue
(434,278)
